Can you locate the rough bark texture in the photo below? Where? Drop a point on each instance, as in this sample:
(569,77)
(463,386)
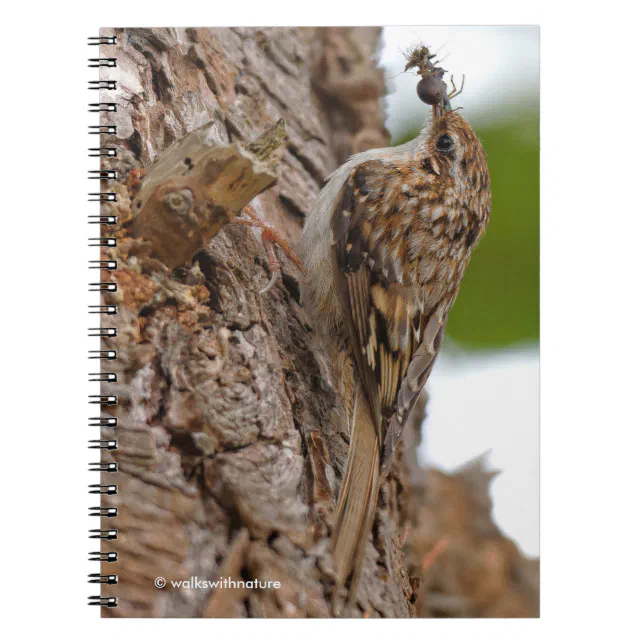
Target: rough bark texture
(231,447)
(231,441)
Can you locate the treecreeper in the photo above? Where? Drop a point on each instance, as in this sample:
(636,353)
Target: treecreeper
(385,248)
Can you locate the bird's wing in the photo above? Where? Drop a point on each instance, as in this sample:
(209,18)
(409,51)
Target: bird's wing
(394,340)
(420,367)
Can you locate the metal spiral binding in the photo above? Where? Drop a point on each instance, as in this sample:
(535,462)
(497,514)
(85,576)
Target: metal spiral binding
(104,489)
(102,152)
(102,107)
(108,602)
(102,332)
(103,400)
(102,84)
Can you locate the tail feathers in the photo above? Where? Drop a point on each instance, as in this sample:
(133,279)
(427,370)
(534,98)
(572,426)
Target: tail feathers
(358,497)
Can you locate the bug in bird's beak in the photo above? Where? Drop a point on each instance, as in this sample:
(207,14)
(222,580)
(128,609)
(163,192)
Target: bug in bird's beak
(432,89)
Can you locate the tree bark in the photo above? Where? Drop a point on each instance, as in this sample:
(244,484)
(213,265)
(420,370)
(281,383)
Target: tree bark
(231,441)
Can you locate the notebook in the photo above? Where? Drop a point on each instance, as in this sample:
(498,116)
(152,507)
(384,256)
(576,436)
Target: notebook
(247,368)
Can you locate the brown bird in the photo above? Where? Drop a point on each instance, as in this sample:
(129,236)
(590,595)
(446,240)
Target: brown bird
(385,248)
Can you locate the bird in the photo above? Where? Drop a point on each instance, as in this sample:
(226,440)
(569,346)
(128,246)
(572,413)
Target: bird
(385,247)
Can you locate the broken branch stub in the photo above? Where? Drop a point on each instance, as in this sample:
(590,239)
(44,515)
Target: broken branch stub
(197,186)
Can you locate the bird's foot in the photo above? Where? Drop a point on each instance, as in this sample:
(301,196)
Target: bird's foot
(270,237)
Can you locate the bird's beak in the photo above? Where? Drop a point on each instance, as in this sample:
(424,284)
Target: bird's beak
(442,109)
(439,111)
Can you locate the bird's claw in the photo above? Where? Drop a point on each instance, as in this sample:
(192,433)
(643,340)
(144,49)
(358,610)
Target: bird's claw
(270,236)
(271,282)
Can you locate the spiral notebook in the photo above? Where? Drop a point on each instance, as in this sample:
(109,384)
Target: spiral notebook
(219,435)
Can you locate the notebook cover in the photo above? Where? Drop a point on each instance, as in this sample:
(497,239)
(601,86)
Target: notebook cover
(223,438)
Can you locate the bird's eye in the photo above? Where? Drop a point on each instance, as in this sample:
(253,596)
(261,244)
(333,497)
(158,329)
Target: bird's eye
(444,143)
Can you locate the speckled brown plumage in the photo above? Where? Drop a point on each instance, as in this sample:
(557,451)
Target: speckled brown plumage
(403,235)
(385,249)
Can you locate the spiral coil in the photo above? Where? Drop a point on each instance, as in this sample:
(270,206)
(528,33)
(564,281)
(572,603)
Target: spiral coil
(105,489)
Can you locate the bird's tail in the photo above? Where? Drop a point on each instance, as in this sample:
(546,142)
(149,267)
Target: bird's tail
(358,496)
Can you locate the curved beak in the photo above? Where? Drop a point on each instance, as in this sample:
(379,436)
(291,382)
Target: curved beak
(441,110)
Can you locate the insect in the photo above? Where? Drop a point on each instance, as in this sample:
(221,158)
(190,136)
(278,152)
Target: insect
(431,89)
(385,247)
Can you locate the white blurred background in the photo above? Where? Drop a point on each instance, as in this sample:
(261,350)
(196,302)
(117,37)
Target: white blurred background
(484,391)
(500,64)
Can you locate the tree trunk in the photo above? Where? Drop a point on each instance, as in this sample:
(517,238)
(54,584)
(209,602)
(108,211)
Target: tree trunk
(231,442)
